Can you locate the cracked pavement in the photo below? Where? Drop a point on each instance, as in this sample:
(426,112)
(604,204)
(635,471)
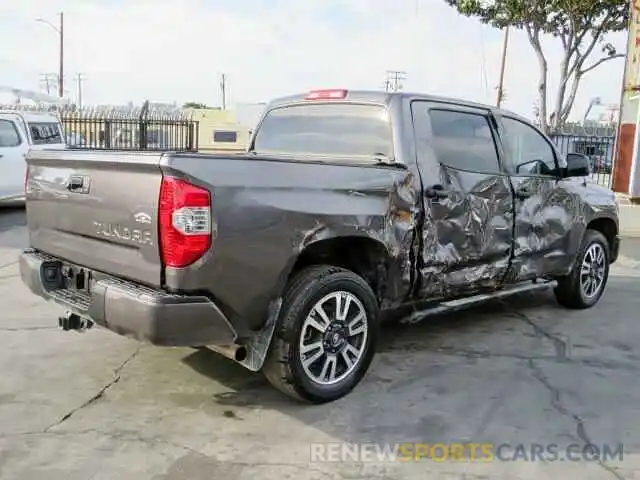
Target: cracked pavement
(521,370)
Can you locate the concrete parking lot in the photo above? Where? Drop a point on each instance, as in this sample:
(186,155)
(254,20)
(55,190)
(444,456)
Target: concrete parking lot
(521,371)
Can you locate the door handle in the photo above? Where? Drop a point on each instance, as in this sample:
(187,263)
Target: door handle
(436,191)
(523,193)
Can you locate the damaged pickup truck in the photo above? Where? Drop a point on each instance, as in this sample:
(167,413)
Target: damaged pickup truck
(346,205)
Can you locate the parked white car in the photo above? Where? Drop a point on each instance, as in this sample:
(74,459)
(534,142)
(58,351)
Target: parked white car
(19,133)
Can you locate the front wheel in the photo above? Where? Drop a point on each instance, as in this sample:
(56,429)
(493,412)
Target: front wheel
(584,286)
(325,337)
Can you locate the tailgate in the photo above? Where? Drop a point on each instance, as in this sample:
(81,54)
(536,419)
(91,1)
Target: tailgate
(97,209)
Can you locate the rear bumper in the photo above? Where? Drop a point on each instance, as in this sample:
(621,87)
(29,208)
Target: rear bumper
(130,309)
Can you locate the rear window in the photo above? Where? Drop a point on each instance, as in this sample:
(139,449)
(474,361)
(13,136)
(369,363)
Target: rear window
(326,129)
(45,133)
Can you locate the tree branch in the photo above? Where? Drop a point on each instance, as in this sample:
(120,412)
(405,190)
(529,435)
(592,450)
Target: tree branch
(580,58)
(568,104)
(534,40)
(562,88)
(600,62)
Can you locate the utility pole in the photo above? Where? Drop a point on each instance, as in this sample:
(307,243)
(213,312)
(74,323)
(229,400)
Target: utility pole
(503,65)
(61,74)
(45,79)
(394,80)
(60,31)
(79,79)
(223,90)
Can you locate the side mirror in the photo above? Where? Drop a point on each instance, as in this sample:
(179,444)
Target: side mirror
(534,167)
(578,165)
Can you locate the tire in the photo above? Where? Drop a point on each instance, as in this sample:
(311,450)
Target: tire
(284,366)
(570,291)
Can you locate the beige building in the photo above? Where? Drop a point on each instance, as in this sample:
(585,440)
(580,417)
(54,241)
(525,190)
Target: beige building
(219,130)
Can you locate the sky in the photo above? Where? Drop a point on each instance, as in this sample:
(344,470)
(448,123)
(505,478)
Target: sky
(166,51)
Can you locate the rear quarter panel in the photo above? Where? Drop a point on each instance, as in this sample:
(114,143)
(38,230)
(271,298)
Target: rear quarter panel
(267,211)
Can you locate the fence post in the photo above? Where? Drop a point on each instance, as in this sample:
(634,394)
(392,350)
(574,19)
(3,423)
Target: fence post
(142,126)
(108,133)
(190,137)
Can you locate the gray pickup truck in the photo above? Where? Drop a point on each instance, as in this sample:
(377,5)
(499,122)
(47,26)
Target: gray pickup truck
(347,205)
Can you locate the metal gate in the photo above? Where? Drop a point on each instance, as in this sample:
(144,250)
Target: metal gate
(596,142)
(130,129)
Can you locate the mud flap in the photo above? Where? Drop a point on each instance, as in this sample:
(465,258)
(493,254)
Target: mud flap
(258,345)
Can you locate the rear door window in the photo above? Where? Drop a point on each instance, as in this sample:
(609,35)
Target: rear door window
(327,129)
(464,141)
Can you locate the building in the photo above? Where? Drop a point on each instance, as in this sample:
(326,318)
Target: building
(219,130)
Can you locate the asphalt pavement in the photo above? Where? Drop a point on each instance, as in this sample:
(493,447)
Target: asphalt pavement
(522,372)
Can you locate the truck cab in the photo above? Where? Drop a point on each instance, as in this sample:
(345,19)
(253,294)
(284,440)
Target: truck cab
(19,133)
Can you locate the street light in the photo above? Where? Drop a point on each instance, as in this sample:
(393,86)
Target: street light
(60,31)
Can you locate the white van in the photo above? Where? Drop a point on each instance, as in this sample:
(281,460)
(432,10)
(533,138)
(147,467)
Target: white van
(19,133)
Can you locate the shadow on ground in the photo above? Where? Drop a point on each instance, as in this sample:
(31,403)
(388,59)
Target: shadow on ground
(12,227)
(516,370)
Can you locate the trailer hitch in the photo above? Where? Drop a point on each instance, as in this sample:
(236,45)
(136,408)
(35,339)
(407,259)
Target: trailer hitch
(72,321)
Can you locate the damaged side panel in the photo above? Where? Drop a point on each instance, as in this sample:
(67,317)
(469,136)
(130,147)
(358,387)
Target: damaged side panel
(266,220)
(551,211)
(467,235)
(549,226)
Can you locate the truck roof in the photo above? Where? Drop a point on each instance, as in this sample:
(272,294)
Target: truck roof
(30,117)
(384,98)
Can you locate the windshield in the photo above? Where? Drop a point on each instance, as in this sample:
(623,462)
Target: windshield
(326,129)
(44,133)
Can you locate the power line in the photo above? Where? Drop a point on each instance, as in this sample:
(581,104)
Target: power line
(393,82)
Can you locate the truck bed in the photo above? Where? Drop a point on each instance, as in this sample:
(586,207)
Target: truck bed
(97,209)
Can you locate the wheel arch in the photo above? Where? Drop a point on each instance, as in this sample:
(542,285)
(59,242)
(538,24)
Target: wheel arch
(366,256)
(607,226)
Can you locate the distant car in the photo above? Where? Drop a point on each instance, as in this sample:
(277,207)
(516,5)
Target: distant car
(19,133)
(600,164)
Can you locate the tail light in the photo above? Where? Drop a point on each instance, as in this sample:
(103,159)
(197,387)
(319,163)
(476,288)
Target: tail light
(26,180)
(26,173)
(185,222)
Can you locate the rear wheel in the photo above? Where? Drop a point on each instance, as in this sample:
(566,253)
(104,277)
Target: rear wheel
(584,286)
(325,337)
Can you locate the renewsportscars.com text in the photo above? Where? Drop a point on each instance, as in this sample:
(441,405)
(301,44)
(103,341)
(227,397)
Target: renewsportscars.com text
(465,452)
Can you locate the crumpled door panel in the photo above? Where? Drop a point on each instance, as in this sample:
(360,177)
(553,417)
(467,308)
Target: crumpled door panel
(467,237)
